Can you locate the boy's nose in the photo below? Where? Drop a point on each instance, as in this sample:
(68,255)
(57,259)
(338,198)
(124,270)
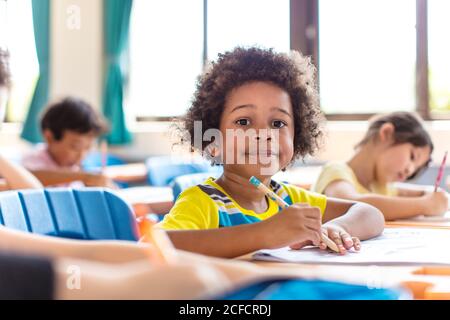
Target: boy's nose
(264,134)
(267,138)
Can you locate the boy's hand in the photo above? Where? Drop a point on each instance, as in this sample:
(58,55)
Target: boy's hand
(341,237)
(298,223)
(436,203)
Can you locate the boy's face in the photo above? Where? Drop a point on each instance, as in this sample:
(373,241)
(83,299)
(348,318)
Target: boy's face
(398,162)
(71,149)
(257,127)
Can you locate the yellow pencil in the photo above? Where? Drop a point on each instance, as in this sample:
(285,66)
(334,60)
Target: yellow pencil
(163,247)
(254,181)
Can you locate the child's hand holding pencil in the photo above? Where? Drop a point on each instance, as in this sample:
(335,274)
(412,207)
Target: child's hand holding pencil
(308,223)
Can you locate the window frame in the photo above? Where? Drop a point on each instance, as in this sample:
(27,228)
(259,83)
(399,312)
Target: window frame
(304,37)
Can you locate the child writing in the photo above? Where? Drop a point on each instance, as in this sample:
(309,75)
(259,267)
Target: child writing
(274,96)
(13,175)
(395,148)
(70,127)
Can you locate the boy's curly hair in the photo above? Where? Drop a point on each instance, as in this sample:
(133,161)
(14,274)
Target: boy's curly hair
(293,73)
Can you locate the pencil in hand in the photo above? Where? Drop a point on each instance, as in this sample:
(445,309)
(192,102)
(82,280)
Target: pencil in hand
(272,195)
(440,173)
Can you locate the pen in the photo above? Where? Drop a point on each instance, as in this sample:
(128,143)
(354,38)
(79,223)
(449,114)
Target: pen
(441,172)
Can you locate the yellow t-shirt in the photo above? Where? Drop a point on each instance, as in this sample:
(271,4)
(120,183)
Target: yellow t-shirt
(335,171)
(208,206)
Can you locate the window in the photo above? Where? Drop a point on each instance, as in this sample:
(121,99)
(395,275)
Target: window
(372,56)
(439,55)
(166,39)
(246,23)
(367,52)
(169,41)
(18,37)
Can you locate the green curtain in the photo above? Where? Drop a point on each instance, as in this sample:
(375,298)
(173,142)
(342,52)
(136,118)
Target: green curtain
(116,31)
(41,22)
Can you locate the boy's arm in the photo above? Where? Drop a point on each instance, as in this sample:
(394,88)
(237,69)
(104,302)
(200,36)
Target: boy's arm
(229,242)
(17,177)
(100,251)
(410,192)
(392,207)
(358,219)
(298,223)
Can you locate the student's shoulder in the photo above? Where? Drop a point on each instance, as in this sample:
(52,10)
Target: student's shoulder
(196,194)
(336,166)
(336,170)
(36,157)
(331,172)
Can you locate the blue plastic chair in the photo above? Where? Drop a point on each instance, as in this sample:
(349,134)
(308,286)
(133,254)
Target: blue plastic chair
(91,213)
(298,289)
(181,183)
(162,170)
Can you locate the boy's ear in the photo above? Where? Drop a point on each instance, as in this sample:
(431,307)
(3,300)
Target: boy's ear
(386,133)
(48,136)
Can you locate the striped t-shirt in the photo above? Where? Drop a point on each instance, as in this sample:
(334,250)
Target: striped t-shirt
(208,206)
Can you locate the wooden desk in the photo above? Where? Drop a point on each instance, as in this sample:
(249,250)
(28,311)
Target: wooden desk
(133,172)
(422,282)
(148,199)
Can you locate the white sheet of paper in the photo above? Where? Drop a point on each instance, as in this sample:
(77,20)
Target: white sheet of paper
(397,246)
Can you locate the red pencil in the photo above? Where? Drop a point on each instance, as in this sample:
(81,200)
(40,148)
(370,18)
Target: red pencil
(441,172)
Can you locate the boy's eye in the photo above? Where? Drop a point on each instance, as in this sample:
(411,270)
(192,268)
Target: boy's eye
(412,156)
(278,124)
(243,122)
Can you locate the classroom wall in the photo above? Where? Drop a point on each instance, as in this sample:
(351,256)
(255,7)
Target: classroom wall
(77,50)
(77,62)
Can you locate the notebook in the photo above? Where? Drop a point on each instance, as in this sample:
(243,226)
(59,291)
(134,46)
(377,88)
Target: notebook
(396,246)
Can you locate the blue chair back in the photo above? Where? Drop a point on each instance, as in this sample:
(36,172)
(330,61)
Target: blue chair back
(91,213)
(162,170)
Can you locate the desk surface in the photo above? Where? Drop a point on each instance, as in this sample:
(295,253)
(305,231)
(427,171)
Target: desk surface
(423,282)
(148,199)
(133,172)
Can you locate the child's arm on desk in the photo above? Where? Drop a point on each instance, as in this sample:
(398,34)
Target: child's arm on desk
(295,224)
(434,203)
(55,177)
(17,177)
(348,222)
(100,251)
